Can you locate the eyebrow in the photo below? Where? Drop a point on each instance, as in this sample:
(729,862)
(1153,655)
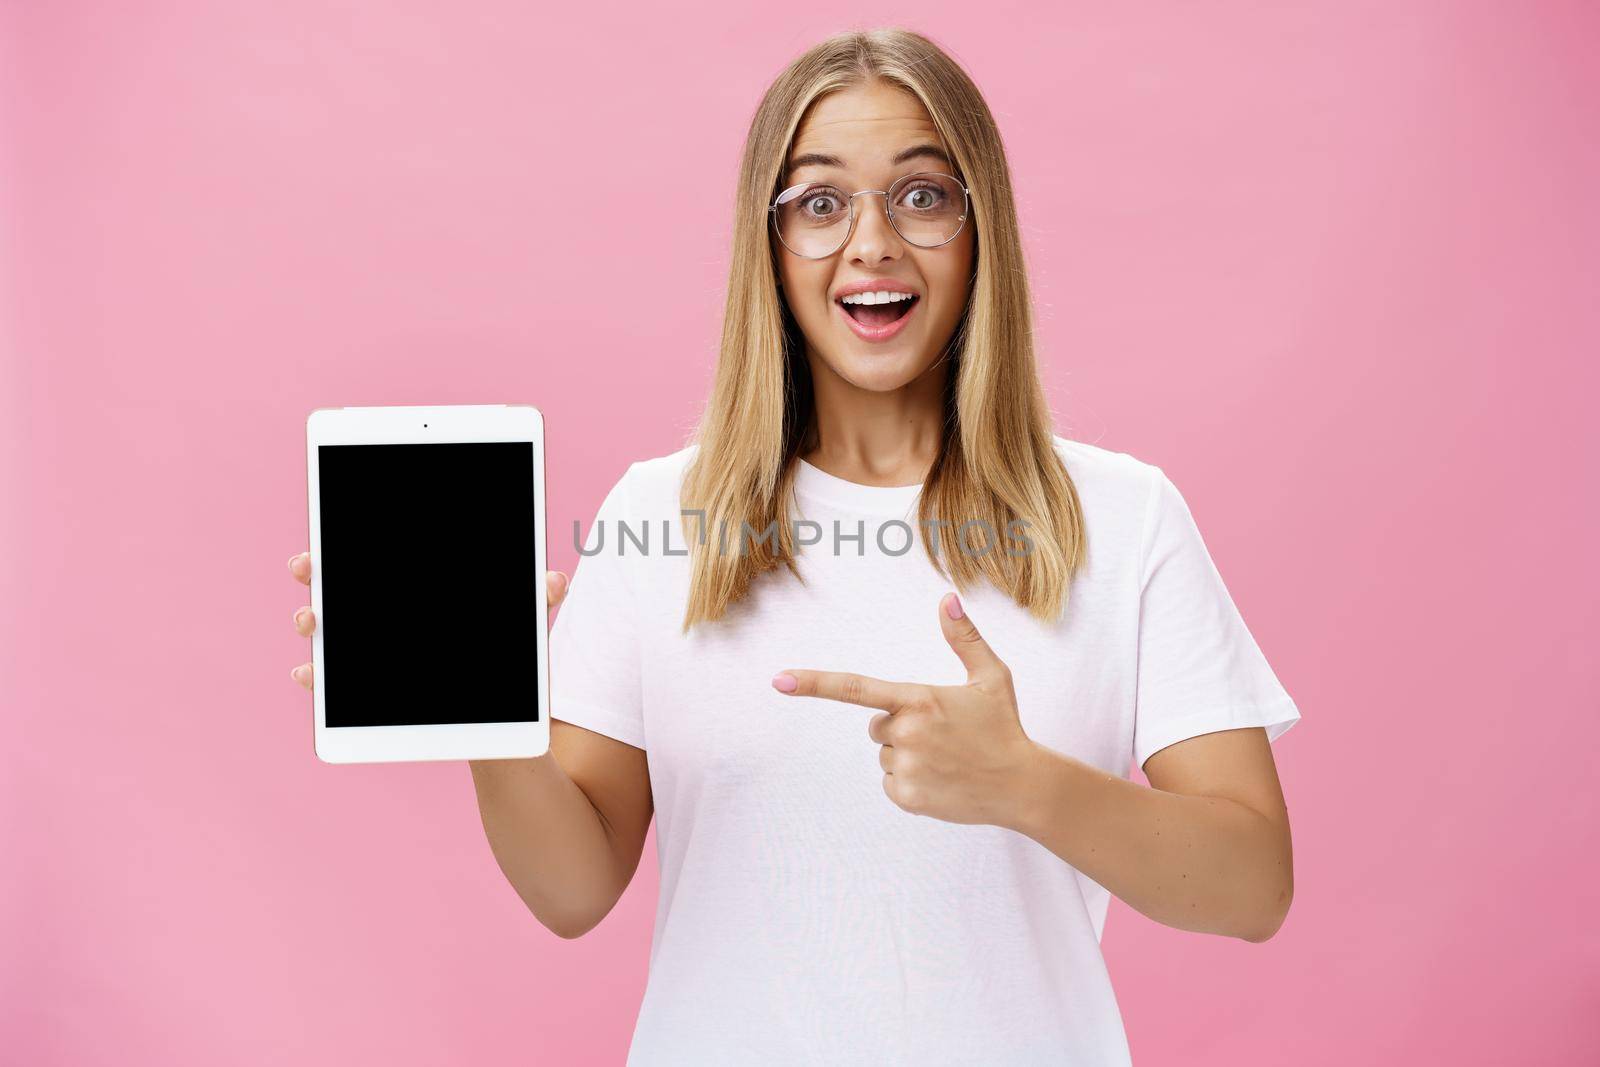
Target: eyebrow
(818,159)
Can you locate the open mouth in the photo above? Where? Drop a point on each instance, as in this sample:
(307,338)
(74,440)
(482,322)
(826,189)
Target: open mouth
(877,316)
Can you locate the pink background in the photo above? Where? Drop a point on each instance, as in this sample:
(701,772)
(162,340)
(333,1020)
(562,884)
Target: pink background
(1333,266)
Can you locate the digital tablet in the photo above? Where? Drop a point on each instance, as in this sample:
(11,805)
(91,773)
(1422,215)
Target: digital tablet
(428,582)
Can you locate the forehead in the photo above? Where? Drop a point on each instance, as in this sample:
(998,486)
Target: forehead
(863,128)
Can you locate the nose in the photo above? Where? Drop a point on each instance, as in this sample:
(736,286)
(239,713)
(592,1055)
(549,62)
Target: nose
(873,239)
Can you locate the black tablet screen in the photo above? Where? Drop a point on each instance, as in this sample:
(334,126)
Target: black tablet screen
(429,584)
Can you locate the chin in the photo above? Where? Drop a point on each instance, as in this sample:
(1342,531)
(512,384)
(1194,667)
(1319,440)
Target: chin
(879,372)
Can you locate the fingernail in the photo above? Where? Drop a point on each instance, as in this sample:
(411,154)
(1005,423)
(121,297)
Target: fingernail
(300,616)
(292,559)
(952,607)
(299,674)
(784,683)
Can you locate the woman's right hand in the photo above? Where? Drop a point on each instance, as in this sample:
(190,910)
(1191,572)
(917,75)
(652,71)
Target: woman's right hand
(305,620)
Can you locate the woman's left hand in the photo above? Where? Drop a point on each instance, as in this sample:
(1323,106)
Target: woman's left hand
(955,752)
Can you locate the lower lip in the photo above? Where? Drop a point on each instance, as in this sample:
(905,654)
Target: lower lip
(878,333)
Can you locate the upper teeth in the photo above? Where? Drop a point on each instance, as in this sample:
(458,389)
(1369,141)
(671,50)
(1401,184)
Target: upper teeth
(875,298)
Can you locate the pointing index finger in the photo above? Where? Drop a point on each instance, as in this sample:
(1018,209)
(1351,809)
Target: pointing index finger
(845,687)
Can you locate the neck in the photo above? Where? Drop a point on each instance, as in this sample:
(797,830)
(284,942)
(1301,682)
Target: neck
(876,438)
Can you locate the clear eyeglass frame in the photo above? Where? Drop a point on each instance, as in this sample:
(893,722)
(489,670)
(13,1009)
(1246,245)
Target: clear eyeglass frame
(888,199)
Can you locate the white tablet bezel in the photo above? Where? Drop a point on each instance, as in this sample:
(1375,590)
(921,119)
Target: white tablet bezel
(446,424)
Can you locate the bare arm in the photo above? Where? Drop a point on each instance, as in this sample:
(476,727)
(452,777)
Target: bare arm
(567,828)
(1205,848)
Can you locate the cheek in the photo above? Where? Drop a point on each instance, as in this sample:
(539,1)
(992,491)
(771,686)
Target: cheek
(953,287)
(805,291)
(962,280)
(948,271)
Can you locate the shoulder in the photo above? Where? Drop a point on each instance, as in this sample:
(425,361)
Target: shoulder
(653,483)
(1106,479)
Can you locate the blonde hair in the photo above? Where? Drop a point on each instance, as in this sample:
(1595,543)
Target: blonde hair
(997,462)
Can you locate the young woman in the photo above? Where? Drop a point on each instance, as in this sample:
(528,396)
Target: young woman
(890,813)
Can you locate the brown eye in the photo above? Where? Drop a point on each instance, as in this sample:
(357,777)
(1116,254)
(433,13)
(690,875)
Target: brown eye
(821,206)
(924,198)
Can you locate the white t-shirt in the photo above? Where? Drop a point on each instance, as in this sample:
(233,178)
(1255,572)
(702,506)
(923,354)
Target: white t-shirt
(802,916)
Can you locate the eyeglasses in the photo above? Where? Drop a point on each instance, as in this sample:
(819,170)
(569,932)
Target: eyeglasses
(815,219)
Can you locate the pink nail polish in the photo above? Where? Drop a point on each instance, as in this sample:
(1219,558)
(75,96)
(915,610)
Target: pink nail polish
(784,683)
(952,607)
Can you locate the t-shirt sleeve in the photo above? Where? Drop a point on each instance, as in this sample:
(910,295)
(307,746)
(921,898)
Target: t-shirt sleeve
(594,642)
(1199,668)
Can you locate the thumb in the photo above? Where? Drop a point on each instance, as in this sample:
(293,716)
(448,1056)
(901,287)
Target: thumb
(555,589)
(981,662)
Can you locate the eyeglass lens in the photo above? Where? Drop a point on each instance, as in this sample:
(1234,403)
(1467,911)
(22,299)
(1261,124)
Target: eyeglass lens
(925,209)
